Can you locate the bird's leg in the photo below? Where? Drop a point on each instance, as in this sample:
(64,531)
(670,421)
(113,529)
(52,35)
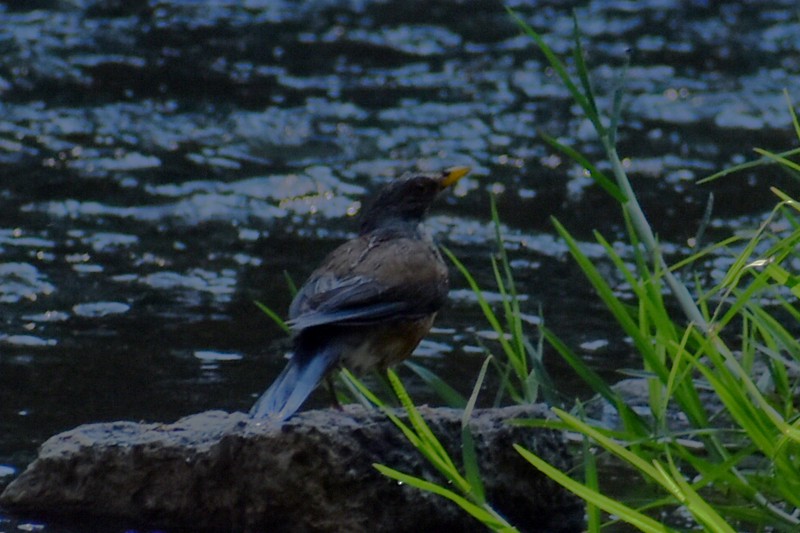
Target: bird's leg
(332,391)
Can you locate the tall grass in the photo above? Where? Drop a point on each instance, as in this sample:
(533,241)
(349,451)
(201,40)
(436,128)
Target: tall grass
(465,490)
(522,373)
(736,462)
(728,364)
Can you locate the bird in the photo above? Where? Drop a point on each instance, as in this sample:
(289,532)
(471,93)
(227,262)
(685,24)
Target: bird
(373,298)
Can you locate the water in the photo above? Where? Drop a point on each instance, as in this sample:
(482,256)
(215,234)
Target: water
(164,165)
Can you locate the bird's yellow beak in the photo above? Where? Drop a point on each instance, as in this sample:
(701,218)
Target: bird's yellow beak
(452,175)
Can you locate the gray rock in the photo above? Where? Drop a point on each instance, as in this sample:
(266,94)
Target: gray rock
(218,470)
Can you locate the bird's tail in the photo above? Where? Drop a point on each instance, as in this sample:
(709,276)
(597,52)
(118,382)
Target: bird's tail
(291,388)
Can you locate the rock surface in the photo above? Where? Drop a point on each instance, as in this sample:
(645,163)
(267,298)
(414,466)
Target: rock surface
(218,470)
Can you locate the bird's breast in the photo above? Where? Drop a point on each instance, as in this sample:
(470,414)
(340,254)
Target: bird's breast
(385,345)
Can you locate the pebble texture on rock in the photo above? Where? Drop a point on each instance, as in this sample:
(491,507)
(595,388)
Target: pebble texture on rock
(218,470)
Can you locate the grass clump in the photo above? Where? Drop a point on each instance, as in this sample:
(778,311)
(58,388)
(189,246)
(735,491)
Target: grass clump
(727,364)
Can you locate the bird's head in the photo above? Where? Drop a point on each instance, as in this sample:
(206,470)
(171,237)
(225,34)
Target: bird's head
(409,197)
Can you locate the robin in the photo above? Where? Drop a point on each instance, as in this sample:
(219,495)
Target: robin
(373,299)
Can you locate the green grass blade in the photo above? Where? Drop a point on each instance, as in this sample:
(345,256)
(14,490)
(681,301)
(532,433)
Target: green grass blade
(491,317)
(560,69)
(274,316)
(290,283)
(508,290)
(368,394)
(450,396)
(748,165)
(700,509)
(782,195)
(609,505)
(612,302)
(419,434)
(616,112)
(470,456)
(487,518)
(633,422)
(429,444)
(591,479)
(785,162)
(792,112)
(704,222)
(597,175)
(476,389)
(583,71)
(609,444)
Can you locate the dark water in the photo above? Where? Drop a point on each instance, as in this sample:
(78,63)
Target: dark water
(162,164)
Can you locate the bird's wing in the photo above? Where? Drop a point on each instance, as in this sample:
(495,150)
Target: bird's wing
(371,279)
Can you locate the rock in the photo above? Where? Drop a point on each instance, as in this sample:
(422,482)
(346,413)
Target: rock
(218,470)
